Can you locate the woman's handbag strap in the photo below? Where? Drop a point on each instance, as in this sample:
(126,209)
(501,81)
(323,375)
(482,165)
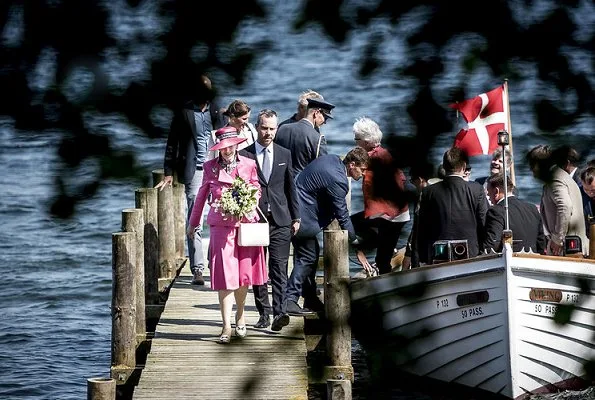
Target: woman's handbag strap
(261,213)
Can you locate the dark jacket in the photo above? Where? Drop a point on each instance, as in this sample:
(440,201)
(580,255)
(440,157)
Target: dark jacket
(304,143)
(322,189)
(524,220)
(181,147)
(588,209)
(452,209)
(279,192)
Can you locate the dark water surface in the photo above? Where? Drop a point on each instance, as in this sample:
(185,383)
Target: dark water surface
(55,301)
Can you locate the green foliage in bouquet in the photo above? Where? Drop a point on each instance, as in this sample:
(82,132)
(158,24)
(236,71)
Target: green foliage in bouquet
(239,200)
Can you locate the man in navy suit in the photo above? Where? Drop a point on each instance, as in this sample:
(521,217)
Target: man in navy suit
(322,188)
(185,153)
(302,138)
(452,209)
(523,219)
(280,205)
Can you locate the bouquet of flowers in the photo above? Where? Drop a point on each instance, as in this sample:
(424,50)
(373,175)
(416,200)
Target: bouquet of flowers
(239,200)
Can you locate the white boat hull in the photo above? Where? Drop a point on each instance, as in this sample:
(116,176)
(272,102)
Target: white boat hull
(484,323)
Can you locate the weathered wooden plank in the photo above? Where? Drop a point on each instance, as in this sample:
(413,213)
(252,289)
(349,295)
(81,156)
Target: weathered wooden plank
(186,361)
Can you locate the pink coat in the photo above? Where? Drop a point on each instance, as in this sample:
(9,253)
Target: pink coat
(231,266)
(214,180)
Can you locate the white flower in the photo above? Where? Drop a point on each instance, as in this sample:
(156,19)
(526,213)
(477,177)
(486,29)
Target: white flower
(239,200)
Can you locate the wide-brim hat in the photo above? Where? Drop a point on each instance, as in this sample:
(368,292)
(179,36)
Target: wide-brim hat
(227,136)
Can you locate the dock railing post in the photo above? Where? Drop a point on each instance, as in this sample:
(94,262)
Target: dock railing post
(180,220)
(133,221)
(146,199)
(123,306)
(101,389)
(338,309)
(166,236)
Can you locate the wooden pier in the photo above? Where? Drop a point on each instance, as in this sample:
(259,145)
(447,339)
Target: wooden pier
(186,361)
(165,330)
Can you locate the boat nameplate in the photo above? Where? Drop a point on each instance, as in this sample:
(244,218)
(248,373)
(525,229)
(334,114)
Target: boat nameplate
(541,294)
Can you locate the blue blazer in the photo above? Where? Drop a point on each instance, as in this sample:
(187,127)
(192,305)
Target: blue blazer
(322,189)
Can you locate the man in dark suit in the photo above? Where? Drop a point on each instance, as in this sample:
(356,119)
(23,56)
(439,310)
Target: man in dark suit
(523,219)
(185,153)
(322,188)
(301,137)
(302,107)
(280,205)
(452,209)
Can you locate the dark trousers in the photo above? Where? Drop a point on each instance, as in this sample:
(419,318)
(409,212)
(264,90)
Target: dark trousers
(302,281)
(380,234)
(278,253)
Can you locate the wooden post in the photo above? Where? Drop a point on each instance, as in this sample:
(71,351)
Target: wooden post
(166,236)
(337,306)
(338,389)
(166,230)
(592,241)
(146,199)
(101,389)
(180,219)
(123,305)
(133,221)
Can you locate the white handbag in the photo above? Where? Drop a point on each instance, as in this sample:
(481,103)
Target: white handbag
(254,233)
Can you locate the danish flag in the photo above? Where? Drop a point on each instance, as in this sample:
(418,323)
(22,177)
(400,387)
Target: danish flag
(485,115)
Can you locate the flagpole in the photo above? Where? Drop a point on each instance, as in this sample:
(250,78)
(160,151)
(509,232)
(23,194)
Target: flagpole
(509,130)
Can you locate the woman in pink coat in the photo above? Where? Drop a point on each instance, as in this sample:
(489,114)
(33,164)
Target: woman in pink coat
(233,268)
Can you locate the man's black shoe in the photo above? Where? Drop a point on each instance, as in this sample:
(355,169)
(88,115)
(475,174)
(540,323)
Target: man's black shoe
(294,309)
(263,322)
(314,304)
(279,322)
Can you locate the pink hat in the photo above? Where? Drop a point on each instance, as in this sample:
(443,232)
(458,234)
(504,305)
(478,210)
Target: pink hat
(225,137)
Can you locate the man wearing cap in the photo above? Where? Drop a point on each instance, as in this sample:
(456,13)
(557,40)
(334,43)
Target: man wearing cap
(302,107)
(301,137)
(185,153)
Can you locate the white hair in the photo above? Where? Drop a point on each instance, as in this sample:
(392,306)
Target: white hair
(309,94)
(368,130)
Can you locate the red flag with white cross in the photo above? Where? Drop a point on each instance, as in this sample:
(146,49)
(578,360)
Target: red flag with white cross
(485,115)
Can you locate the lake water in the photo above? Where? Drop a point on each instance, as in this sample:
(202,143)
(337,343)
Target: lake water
(56,325)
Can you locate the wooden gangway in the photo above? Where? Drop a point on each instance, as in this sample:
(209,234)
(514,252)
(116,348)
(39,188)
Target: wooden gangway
(186,362)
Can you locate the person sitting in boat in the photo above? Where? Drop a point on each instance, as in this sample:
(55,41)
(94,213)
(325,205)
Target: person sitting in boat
(524,219)
(561,203)
(452,209)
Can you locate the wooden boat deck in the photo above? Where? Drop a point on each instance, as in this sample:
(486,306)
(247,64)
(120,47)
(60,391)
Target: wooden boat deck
(186,362)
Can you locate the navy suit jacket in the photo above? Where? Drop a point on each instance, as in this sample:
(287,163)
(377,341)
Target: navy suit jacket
(322,189)
(452,209)
(279,192)
(304,142)
(524,220)
(181,147)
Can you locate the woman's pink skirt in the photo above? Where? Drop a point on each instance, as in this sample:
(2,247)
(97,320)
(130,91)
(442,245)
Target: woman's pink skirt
(231,265)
